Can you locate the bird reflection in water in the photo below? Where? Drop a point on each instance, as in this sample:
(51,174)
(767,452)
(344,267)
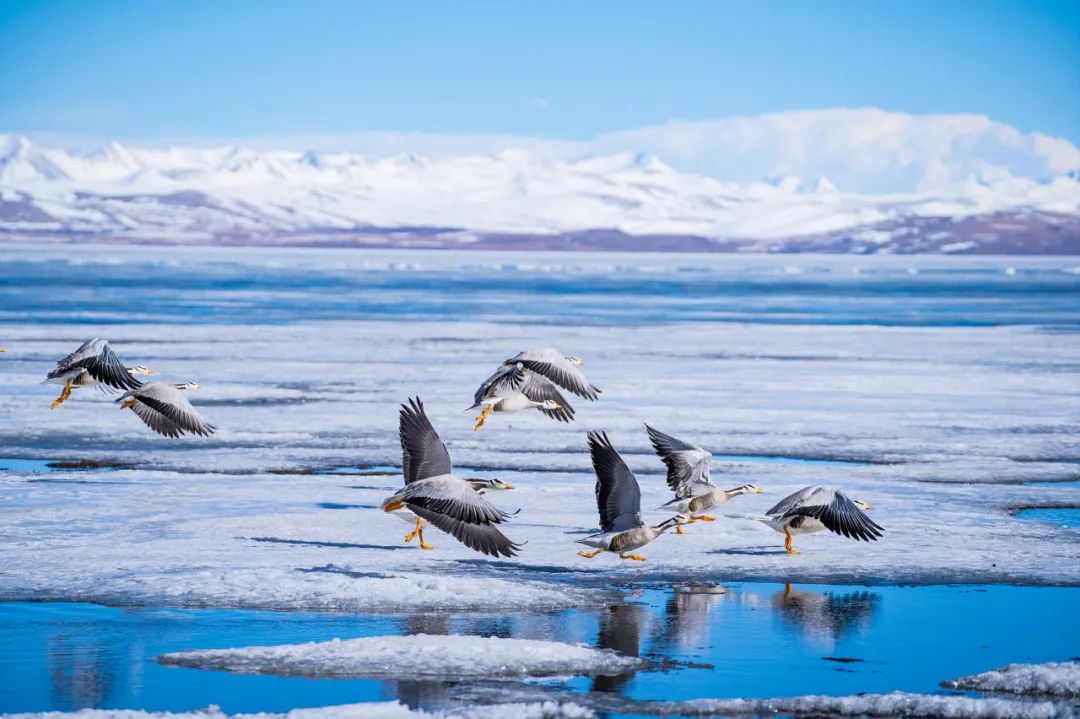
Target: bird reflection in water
(82,673)
(686,615)
(421,693)
(621,628)
(823,616)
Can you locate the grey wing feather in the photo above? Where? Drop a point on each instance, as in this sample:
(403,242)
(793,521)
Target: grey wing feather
(505,379)
(552,364)
(687,464)
(618,496)
(539,388)
(453,497)
(97,358)
(792,501)
(841,516)
(173,407)
(485,538)
(423,453)
(156,420)
(453,506)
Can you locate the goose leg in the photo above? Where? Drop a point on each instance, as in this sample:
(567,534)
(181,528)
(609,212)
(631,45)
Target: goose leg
(679,529)
(705,518)
(128,403)
(635,557)
(412,535)
(787,542)
(423,544)
(483,416)
(589,555)
(64,394)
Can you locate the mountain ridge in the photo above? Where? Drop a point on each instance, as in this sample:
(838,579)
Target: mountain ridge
(511,199)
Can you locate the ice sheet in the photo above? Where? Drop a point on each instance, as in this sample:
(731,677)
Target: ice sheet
(1059,679)
(937,425)
(414,655)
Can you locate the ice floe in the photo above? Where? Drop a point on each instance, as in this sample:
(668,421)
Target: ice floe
(1058,679)
(413,655)
(372,710)
(893,704)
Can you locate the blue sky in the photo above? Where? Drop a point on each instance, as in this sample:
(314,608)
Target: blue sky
(551,69)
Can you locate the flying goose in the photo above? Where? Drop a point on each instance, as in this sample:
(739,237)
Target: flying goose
(165,409)
(433,493)
(420,448)
(513,388)
(815,508)
(93,363)
(688,476)
(618,499)
(561,370)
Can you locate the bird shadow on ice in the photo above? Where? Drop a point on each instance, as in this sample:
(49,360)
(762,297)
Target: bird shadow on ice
(502,565)
(764,551)
(315,543)
(55,480)
(334,569)
(338,505)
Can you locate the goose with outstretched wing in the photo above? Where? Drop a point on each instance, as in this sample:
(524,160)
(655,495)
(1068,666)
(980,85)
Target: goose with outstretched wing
(514,388)
(688,476)
(816,508)
(618,501)
(434,494)
(93,364)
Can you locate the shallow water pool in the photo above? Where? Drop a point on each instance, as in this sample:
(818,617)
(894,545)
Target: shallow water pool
(747,639)
(1068,517)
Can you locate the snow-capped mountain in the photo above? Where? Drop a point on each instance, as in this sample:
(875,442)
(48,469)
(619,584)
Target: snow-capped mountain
(513,197)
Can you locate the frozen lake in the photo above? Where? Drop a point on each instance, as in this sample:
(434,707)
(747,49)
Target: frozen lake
(945,391)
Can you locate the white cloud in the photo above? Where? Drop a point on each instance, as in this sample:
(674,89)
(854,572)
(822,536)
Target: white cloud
(540,103)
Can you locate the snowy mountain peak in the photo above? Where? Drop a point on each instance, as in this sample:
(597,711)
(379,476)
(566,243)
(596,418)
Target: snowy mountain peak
(121,190)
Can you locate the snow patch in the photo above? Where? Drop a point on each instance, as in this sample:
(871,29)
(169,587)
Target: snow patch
(415,655)
(893,704)
(373,710)
(1059,679)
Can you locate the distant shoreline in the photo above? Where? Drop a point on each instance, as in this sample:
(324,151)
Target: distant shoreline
(960,238)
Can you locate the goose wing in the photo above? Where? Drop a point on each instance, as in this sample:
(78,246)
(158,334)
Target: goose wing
(538,389)
(507,379)
(552,364)
(167,411)
(98,359)
(804,495)
(423,453)
(618,496)
(449,503)
(687,464)
(839,515)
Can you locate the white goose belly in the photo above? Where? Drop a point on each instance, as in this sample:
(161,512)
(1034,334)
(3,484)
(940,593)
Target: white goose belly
(79,378)
(513,403)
